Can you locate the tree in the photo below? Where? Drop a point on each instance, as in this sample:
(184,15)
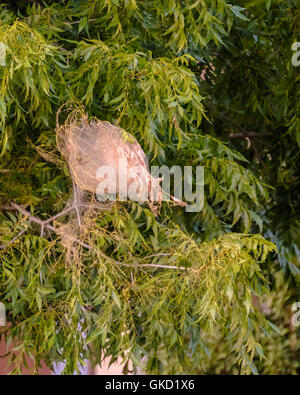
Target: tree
(197,82)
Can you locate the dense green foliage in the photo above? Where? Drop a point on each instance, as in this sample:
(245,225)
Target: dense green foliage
(197,82)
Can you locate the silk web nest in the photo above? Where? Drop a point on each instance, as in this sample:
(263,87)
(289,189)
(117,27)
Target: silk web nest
(93,149)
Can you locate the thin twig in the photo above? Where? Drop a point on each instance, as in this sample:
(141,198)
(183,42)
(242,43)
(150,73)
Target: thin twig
(61,214)
(45,224)
(153,265)
(4,246)
(75,191)
(242,130)
(154,255)
(74,22)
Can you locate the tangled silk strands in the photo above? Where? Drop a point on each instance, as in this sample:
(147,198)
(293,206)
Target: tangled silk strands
(94,145)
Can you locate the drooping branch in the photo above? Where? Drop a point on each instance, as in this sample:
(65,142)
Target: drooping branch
(46,225)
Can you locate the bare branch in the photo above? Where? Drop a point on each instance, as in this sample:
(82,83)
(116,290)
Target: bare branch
(247,135)
(45,224)
(251,135)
